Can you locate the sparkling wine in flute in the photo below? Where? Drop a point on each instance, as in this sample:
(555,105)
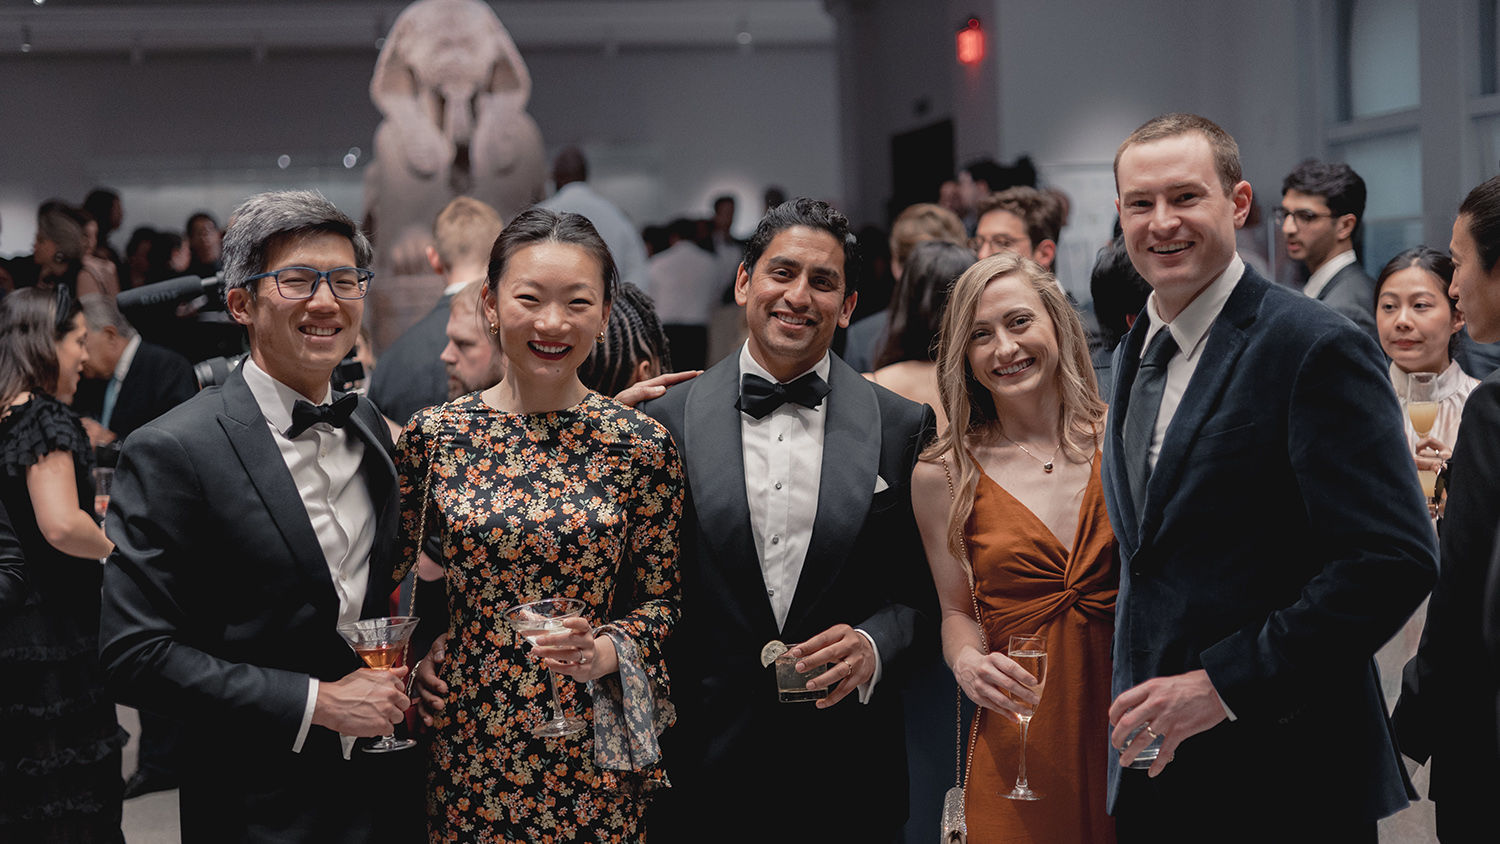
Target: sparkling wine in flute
(1423,414)
(1035,663)
(101,505)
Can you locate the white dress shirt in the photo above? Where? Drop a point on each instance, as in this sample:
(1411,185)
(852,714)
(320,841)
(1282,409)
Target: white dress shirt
(1319,280)
(783,455)
(1190,330)
(324,462)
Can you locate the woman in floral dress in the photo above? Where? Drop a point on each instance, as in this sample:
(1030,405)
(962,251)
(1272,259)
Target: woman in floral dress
(539,488)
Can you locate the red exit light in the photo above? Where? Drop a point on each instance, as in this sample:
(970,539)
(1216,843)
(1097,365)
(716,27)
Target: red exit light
(970,41)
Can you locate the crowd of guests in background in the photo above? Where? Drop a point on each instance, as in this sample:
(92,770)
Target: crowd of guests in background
(1211,493)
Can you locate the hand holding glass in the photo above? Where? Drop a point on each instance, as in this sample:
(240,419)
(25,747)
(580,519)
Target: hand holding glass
(1422,408)
(543,618)
(381,643)
(1029,652)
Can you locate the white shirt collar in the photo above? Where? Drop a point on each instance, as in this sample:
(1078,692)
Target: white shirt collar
(1325,273)
(1191,326)
(275,398)
(749,365)
(122,366)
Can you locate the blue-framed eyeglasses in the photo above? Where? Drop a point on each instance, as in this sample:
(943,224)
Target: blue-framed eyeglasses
(302,282)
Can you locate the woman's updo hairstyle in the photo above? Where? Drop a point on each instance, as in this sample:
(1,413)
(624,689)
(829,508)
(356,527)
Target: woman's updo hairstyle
(539,225)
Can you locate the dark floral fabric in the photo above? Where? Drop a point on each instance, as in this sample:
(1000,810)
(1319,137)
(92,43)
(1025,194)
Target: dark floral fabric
(581,503)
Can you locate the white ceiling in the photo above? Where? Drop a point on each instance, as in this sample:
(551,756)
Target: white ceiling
(138,29)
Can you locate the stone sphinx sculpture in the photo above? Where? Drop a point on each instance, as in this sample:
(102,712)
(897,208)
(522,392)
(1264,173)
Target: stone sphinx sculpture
(452,89)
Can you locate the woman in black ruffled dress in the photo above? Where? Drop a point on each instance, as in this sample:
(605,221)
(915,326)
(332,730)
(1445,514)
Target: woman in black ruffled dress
(59,740)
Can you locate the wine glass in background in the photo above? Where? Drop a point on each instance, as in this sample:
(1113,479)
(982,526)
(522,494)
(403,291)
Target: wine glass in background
(533,621)
(103,478)
(1422,408)
(1029,652)
(381,643)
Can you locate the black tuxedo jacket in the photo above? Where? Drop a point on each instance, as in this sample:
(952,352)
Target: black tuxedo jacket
(760,769)
(1351,292)
(218,607)
(410,375)
(1447,706)
(1282,541)
(159,379)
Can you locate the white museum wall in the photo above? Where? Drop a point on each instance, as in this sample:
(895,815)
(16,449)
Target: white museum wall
(669,128)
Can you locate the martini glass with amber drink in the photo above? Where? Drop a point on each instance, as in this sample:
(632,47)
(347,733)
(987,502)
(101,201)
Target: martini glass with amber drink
(381,643)
(543,618)
(1422,408)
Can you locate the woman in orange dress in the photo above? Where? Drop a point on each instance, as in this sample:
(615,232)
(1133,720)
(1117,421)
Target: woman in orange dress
(1013,487)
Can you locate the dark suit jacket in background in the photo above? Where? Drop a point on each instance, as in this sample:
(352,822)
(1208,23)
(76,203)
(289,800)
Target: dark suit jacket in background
(1351,292)
(409,376)
(159,379)
(743,766)
(218,605)
(1447,706)
(1282,541)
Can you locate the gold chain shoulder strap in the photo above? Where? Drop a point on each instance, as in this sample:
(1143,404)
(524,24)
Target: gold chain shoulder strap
(965,761)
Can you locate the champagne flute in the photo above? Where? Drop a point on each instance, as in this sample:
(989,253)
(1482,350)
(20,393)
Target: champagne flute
(1029,652)
(1421,408)
(381,642)
(533,621)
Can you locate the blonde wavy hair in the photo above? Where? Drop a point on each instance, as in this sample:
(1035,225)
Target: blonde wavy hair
(972,416)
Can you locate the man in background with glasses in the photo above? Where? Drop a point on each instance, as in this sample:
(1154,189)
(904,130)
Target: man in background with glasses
(249,523)
(1321,206)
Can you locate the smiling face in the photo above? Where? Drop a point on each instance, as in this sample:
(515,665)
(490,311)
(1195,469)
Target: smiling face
(1475,286)
(299,341)
(549,306)
(1415,320)
(794,300)
(72,354)
(1013,349)
(1178,223)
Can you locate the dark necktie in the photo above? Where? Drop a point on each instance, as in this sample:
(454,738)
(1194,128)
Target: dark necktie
(758,396)
(306,414)
(1140,417)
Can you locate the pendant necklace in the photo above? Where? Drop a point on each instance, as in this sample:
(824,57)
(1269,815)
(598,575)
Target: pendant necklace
(1046,464)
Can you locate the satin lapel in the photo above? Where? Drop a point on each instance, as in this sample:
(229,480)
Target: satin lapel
(1226,339)
(245,426)
(851,462)
(380,476)
(712,449)
(1126,364)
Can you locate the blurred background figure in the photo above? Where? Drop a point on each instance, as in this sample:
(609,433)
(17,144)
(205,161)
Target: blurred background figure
(1119,294)
(570,173)
(205,242)
(470,359)
(126,382)
(906,362)
(686,283)
(60,757)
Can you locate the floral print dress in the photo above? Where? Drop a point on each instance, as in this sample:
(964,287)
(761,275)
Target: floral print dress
(580,503)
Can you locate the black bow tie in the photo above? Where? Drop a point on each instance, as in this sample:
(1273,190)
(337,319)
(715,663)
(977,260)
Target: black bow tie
(306,414)
(758,397)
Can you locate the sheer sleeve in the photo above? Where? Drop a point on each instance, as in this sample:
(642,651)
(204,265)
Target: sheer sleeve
(632,708)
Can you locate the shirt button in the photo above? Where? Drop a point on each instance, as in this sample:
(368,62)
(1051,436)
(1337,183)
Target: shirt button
(771,593)
(780,437)
(778,484)
(776,540)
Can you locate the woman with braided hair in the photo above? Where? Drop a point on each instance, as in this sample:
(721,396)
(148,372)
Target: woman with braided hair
(634,347)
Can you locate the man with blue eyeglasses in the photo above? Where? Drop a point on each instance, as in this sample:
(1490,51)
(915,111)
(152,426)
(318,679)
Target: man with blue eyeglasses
(249,523)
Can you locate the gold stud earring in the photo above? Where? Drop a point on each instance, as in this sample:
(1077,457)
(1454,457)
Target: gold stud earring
(600,339)
(494,328)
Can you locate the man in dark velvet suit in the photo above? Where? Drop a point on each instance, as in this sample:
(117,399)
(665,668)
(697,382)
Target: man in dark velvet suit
(1446,716)
(798,528)
(1321,207)
(248,523)
(1272,533)
(148,380)
(411,375)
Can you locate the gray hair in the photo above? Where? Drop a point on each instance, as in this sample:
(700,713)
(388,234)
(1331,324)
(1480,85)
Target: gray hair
(266,218)
(100,311)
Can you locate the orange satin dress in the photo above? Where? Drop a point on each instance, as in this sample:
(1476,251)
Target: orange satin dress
(1026,583)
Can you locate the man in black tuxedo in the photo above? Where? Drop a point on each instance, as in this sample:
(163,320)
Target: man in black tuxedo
(411,374)
(1321,206)
(249,522)
(126,382)
(1272,534)
(798,528)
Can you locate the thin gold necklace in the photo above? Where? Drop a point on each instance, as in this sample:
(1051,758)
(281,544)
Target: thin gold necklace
(1046,464)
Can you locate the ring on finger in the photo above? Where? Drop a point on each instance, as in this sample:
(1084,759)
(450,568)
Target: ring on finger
(849,666)
(1147,728)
